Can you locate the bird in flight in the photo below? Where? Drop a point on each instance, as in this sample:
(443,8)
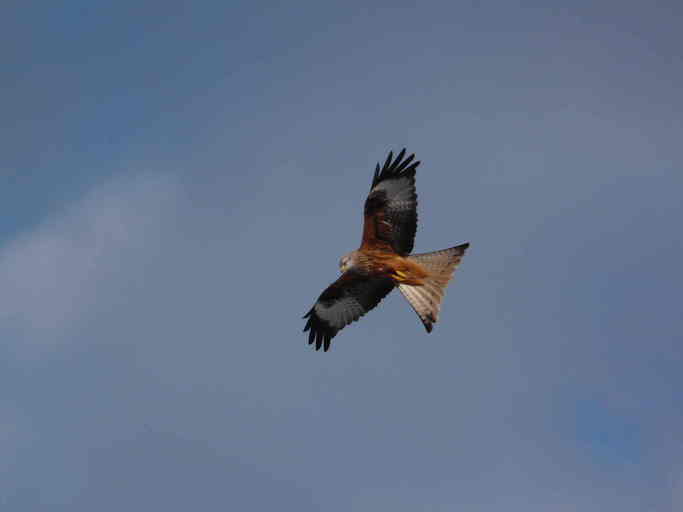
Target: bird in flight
(383,260)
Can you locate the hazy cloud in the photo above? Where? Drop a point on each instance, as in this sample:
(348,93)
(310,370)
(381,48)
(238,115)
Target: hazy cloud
(52,275)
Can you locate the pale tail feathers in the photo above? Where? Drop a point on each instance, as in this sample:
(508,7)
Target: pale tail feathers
(426,299)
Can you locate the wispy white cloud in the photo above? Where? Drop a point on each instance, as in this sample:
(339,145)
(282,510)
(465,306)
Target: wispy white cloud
(51,275)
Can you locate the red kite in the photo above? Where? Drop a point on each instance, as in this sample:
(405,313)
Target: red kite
(383,260)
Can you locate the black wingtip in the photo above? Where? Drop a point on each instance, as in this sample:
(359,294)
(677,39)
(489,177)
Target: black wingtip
(375,177)
(387,162)
(319,332)
(395,167)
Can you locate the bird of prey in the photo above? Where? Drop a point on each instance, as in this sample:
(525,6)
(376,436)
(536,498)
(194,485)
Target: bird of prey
(383,260)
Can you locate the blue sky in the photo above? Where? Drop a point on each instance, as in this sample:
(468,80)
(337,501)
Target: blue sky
(179,181)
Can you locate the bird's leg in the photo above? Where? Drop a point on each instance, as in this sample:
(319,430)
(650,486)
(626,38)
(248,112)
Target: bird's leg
(404,271)
(400,276)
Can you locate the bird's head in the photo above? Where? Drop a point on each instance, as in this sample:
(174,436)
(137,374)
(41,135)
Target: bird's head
(347,262)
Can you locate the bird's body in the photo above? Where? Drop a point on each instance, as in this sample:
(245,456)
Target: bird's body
(383,261)
(376,262)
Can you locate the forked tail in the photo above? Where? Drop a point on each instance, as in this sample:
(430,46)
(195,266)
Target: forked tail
(426,299)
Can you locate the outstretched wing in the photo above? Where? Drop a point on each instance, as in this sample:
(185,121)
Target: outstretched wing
(391,207)
(343,302)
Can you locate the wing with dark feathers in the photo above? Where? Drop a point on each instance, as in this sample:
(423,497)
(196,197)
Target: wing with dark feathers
(343,302)
(391,206)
